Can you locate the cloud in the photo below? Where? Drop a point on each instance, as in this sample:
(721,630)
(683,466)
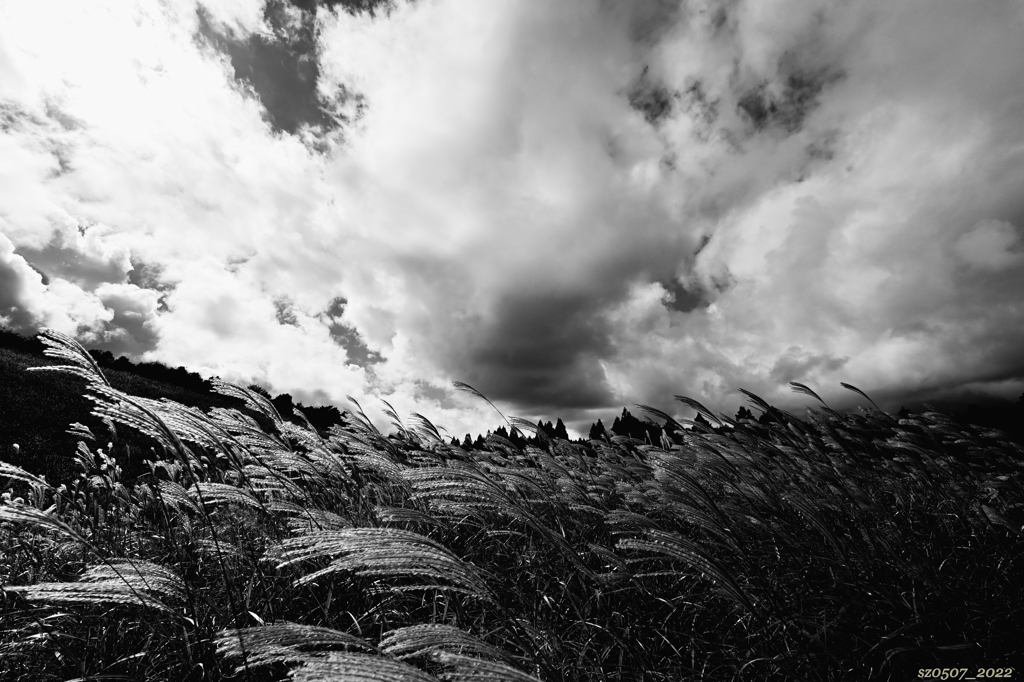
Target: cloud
(275,59)
(132,330)
(26,302)
(571,206)
(498,171)
(846,253)
(989,245)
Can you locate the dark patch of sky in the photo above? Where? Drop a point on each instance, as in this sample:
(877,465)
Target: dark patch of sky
(281,69)
(285,313)
(371,6)
(681,299)
(542,349)
(347,337)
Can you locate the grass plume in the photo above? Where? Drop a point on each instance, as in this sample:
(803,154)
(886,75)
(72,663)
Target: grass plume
(832,547)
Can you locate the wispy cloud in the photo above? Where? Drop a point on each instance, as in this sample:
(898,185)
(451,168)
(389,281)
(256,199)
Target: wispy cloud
(571,206)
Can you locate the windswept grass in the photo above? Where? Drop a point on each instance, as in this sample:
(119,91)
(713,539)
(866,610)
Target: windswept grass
(834,547)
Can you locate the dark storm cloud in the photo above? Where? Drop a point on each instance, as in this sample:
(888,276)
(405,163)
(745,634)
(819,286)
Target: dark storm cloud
(790,107)
(653,100)
(78,259)
(371,6)
(282,69)
(541,353)
(147,275)
(681,299)
(347,337)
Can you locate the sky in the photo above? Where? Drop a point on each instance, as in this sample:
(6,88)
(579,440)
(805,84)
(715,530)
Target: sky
(572,206)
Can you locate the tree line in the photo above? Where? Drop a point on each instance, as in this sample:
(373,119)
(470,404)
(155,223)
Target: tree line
(1006,417)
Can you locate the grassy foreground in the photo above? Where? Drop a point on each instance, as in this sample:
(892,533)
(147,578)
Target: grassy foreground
(852,547)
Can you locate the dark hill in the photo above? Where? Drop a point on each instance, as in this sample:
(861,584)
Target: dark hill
(36,408)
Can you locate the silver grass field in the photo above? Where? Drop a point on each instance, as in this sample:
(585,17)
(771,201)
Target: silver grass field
(832,547)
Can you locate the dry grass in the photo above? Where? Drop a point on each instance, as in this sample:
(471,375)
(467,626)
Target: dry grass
(834,547)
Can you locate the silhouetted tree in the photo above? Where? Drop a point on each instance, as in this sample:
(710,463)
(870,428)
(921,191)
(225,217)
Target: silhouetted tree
(744,413)
(559,431)
(597,431)
(517,439)
(628,425)
(103,358)
(284,404)
(548,428)
(324,417)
